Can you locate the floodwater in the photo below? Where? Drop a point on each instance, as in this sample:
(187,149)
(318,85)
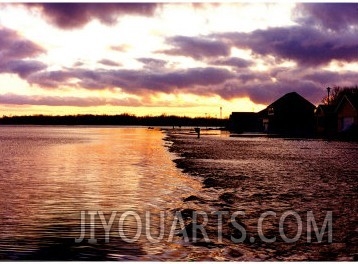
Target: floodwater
(50,177)
(293,180)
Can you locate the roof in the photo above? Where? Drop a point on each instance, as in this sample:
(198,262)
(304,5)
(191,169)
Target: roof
(326,108)
(351,98)
(290,98)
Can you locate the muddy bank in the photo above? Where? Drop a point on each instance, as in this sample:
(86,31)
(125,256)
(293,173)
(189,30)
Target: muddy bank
(291,179)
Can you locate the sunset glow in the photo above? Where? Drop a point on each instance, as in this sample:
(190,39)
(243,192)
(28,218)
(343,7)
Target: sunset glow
(182,59)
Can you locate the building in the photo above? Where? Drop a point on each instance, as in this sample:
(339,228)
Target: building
(290,115)
(326,120)
(241,122)
(339,119)
(294,116)
(347,113)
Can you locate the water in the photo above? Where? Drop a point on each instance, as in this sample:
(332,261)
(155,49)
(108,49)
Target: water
(50,174)
(256,175)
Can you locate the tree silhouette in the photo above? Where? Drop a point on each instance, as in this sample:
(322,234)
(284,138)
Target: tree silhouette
(337,94)
(115,120)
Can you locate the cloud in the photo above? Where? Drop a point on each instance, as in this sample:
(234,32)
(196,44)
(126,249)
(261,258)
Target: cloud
(14,99)
(266,92)
(109,63)
(22,67)
(16,53)
(330,78)
(334,16)
(78,64)
(306,46)
(14,46)
(196,47)
(235,62)
(260,87)
(132,81)
(76,15)
(317,40)
(264,88)
(189,77)
(50,79)
(121,48)
(152,64)
(147,101)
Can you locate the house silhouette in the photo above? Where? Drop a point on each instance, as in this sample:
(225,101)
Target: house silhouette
(338,119)
(290,115)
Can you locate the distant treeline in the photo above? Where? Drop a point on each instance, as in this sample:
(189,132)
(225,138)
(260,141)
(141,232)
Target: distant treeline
(113,120)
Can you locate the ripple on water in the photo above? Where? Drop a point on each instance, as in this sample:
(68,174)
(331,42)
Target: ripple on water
(50,174)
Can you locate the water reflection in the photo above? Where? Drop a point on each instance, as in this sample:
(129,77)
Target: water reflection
(51,174)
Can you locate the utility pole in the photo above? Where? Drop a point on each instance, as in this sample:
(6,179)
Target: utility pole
(328,90)
(221,112)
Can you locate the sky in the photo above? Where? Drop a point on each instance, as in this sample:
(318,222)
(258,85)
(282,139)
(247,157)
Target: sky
(186,59)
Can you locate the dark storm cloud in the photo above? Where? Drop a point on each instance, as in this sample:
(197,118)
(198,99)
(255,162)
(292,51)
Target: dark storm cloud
(14,99)
(76,15)
(196,47)
(15,54)
(335,16)
(235,62)
(306,46)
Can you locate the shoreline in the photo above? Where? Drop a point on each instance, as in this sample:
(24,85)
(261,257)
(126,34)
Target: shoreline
(226,168)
